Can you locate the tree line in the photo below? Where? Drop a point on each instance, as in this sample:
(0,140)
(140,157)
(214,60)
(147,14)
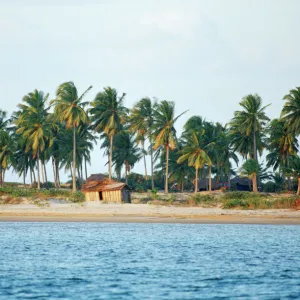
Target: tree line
(64,130)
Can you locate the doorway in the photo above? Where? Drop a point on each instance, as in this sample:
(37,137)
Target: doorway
(100,196)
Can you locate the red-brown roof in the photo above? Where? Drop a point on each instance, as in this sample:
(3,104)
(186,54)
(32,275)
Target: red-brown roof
(99,185)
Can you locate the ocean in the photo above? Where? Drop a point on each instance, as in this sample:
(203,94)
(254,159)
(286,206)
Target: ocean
(148,261)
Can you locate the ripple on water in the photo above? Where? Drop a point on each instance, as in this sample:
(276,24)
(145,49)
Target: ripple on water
(148,261)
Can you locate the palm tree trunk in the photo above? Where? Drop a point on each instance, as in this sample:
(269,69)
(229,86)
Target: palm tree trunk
(54,173)
(78,174)
(3,176)
(152,176)
(85,166)
(38,169)
(111,139)
(74,158)
(167,170)
(126,177)
(298,190)
(254,146)
(43,175)
(57,173)
(145,165)
(30,176)
(196,181)
(229,185)
(81,171)
(255,154)
(34,177)
(24,179)
(204,175)
(1,180)
(182,185)
(289,178)
(209,170)
(254,183)
(46,179)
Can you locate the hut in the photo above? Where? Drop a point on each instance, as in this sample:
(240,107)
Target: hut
(203,184)
(241,183)
(99,188)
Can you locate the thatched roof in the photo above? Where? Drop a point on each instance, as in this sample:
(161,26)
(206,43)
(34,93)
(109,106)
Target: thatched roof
(203,183)
(96,177)
(241,181)
(95,184)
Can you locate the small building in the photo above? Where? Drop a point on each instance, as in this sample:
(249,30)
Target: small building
(99,188)
(241,183)
(203,184)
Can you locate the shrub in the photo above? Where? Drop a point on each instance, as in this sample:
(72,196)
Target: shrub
(153,194)
(242,195)
(198,199)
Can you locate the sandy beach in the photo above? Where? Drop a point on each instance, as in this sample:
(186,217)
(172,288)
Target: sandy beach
(143,213)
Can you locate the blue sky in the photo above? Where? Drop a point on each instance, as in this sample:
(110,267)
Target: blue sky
(203,55)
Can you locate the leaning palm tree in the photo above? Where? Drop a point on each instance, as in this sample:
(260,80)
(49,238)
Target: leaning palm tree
(108,114)
(291,111)
(34,124)
(195,155)
(251,168)
(141,123)
(69,108)
(248,124)
(164,130)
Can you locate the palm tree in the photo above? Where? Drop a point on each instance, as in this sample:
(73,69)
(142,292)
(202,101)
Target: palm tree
(225,153)
(180,173)
(291,111)
(7,155)
(294,169)
(278,179)
(141,123)
(108,114)
(281,144)
(251,168)
(195,155)
(125,152)
(248,124)
(69,108)
(4,136)
(34,124)
(164,130)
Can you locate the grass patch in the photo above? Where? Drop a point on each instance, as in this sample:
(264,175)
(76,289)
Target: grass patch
(242,195)
(15,192)
(261,203)
(203,200)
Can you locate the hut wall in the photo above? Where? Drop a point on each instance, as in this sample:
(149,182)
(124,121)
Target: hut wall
(112,196)
(92,196)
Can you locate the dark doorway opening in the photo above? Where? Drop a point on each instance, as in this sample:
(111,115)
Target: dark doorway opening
(100,196)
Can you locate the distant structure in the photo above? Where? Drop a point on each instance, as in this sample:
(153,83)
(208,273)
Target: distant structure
(241,183)
(99,188)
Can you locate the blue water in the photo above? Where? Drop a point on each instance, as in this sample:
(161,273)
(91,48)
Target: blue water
(148,261)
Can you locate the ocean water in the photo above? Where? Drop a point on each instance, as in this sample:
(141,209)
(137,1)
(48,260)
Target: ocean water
(148,261)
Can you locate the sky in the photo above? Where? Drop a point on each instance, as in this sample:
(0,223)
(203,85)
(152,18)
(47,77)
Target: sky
(205,55)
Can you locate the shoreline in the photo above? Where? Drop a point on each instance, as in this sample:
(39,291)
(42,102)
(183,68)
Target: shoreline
(154,220)
(144,213)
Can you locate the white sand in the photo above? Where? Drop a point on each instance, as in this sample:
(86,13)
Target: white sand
(95,211)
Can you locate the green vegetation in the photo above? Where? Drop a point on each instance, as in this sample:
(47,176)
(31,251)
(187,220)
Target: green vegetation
(63,132)
(41,194)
